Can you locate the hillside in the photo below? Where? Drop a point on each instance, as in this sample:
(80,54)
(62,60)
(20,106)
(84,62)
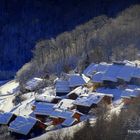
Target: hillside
(76,106)
(100,39)
(25,22)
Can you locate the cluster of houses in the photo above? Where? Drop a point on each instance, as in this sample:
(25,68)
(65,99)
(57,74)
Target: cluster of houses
(75,95)
(112,75)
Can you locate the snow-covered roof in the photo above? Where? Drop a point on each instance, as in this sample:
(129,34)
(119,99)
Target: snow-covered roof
(89,70)
(5,117)
(136,73)
(59,113)
(93,68)
(136,92)
(76,80)
(111,73)
(33,83)
(62,86)
(97,78)
(65,104)
(43,108)
(69,121)
(22,125)
(111,91)
(126,73)
(86,79)
(128,93)
(88,100)
(79,91)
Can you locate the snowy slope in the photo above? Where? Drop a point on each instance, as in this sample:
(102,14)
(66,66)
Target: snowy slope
(9,87)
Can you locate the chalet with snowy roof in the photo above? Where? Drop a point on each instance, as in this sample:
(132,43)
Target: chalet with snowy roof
(66,104)
(47,98)
(129,94)
(74,94)
(109,78)
(23,127)
(43,110)
(32,84)
(86,102)
(7,118)
(62,87)
(59,116)
(69,122)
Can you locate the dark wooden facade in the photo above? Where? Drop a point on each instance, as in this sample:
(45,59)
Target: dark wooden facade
(73,96)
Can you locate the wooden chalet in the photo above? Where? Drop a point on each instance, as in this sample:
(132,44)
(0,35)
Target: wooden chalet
(59,116)
(42,111)
(25,128)
(86,102)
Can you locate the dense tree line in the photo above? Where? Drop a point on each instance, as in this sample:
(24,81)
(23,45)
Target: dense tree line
(100,39)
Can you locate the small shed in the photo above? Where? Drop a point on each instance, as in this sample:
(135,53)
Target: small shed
(26,127)
(7,118)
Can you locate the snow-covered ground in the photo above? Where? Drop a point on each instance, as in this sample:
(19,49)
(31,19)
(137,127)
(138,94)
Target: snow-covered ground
(6,103)
(24,108)
(9,88)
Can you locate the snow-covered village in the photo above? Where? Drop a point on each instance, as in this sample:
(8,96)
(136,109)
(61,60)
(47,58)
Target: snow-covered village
(69,69)
(73,99)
